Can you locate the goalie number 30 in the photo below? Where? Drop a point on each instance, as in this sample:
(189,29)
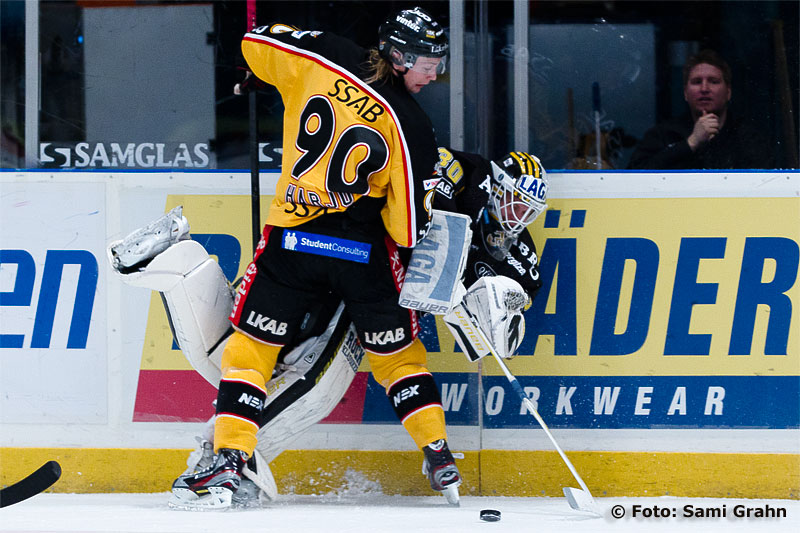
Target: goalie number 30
(314,140)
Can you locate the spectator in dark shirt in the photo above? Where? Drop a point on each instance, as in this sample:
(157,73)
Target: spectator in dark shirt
(709,137)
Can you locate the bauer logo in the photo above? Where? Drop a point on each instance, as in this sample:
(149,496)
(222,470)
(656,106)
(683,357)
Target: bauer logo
(425,307)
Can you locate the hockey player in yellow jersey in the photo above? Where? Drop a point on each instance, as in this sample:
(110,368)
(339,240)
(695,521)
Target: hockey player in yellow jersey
(345,138)
(357,182)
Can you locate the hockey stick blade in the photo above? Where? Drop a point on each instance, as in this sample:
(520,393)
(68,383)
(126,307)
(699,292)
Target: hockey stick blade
(580,500)
(39,481)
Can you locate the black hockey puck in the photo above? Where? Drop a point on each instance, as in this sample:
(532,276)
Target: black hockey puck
(490,515)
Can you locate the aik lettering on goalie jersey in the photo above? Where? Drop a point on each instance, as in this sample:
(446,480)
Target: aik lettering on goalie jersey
(343,138)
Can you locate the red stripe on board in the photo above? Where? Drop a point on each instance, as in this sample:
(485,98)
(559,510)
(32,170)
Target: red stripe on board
(251,15)
(350,409)
(173,396)
(185,396)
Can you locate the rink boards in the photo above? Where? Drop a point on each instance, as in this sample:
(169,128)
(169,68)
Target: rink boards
(668,312)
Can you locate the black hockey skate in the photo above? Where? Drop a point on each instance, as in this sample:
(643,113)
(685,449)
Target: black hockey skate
(213,487)
(441,469)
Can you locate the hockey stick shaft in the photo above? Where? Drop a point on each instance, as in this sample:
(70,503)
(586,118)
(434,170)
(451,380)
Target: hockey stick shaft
(255,171)
(527,401)
(39,481)
(524,397)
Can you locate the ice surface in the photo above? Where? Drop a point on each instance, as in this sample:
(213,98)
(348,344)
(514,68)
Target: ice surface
(374,513)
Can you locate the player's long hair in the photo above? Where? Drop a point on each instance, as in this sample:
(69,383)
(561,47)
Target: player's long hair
(379,68)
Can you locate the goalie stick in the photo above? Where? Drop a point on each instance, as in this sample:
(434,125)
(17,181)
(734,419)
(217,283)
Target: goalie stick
(39,481)
(579,499)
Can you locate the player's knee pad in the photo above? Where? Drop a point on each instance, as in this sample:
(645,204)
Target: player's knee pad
(389,368)
(243,353)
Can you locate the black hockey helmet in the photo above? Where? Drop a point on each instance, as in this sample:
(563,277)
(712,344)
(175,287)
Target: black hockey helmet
(413,33)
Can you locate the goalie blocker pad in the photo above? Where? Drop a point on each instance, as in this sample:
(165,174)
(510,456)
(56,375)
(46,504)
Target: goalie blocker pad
(433,275)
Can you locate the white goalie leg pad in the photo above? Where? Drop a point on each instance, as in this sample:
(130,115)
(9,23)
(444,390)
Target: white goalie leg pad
(198,299)
(497,303)
(262,477)
(308,407)
(311,381)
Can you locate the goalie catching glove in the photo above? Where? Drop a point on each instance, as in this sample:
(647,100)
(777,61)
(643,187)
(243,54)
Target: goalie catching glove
(494,304)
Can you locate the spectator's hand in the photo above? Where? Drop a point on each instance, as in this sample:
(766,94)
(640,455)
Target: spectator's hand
(705,128)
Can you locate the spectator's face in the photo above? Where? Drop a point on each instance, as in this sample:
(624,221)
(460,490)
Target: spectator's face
(706,90)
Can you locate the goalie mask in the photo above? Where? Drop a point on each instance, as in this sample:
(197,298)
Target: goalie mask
(519,191)
(410,34)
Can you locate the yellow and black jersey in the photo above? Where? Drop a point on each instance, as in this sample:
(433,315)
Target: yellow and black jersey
(344,139)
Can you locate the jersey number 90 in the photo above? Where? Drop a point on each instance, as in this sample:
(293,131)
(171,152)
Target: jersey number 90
(314,140)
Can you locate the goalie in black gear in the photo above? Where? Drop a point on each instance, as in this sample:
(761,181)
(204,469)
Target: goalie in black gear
(501,197)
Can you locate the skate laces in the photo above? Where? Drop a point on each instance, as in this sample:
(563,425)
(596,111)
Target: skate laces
(437,455)
(439,465)
(232,458)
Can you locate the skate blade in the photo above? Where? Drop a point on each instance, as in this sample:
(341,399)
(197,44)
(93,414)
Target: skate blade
(217,499)
(451,494)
